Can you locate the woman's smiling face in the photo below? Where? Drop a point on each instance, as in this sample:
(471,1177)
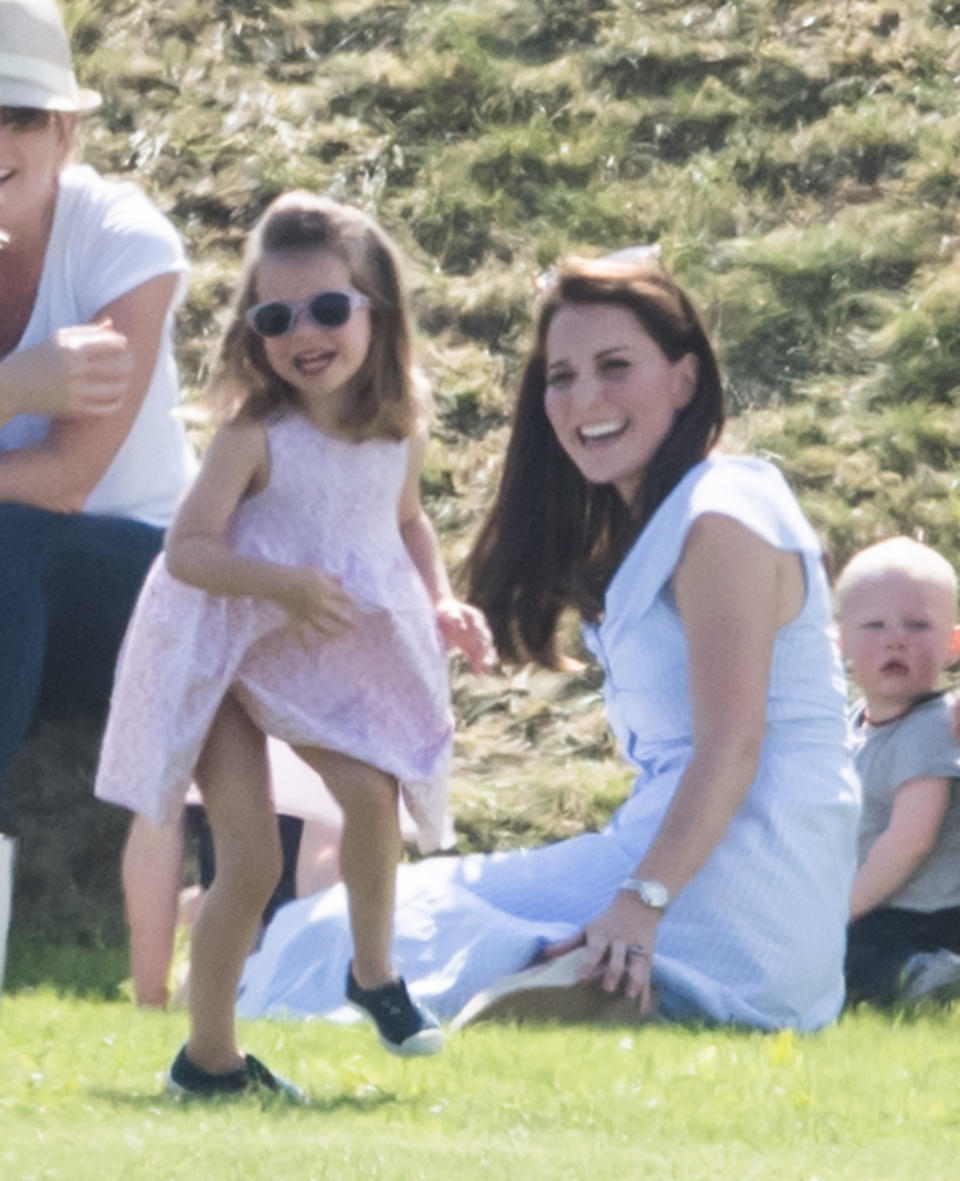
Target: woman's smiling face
(31,156)
(612,394)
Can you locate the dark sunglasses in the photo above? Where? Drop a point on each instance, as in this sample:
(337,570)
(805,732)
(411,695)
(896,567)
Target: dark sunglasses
(329,309)
(23,118)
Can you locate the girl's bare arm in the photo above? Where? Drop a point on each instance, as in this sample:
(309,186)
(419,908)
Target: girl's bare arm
(462,625)
(197,552)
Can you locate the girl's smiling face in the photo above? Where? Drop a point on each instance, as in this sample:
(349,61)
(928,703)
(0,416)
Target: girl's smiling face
(612,394)
(318,361)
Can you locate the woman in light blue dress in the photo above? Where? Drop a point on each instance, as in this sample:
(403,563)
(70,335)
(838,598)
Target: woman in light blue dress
(719,890)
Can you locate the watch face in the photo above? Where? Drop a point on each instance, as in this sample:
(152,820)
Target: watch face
(654,894)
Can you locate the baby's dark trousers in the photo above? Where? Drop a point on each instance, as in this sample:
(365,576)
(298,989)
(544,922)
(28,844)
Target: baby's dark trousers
(881,942)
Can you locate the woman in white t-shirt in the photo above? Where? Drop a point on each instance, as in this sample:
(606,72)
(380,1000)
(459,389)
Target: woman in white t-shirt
(92,462)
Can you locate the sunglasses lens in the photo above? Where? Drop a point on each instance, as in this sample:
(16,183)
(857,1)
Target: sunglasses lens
(271,319)
(23,118)
(331,309)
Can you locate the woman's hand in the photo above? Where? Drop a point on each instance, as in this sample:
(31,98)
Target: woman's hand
(82,370)
(619,946)
(317,600)
(465,627)
(92,379)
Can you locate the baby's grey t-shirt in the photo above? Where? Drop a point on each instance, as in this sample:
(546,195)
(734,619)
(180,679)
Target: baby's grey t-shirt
(887,757)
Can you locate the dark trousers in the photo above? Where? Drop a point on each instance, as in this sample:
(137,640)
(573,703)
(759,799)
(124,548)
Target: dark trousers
(290,829)
(880,943)
(68,583)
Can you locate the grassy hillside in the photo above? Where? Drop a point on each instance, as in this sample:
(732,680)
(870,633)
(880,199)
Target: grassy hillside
(797,162)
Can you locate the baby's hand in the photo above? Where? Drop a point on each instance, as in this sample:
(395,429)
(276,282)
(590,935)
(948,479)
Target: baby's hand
(317,600)
(466,628)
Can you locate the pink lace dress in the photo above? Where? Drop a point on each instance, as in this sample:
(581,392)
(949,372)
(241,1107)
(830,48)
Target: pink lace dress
(379,692)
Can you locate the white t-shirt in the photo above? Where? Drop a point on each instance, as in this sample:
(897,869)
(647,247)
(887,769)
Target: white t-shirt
(108,238)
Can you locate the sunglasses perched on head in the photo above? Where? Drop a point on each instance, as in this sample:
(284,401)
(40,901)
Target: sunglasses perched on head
(23,118)
(635,255)
(329,309)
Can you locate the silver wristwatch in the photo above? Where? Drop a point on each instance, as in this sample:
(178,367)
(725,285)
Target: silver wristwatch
(651,892)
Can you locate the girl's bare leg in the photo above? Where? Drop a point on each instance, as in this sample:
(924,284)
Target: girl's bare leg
(369,854)
(233,777)
(152,859)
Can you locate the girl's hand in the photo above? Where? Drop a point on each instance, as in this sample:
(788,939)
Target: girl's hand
(620,943)
(465,627)
(317,600)
(82,370)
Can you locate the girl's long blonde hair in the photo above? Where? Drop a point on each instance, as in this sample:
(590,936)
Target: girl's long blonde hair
(387,401)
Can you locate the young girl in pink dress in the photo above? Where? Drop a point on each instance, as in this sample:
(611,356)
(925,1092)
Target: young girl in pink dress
(302,595)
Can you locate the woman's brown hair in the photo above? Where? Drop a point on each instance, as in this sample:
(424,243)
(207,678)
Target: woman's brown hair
(551,539)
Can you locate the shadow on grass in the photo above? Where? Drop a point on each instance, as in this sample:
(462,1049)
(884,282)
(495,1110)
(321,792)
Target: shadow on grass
(90,972)
(324,1105)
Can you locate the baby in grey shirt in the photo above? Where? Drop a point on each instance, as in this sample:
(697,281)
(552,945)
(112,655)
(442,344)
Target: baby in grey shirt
(896,608)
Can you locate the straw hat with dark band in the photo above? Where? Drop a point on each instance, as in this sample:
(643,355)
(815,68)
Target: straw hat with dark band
(36,68)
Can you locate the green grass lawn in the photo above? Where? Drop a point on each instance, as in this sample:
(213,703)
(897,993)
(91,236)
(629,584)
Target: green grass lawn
(873,1098)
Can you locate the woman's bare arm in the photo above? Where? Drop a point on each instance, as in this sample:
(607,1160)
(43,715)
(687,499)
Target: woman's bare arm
(732,591)
(118,359)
